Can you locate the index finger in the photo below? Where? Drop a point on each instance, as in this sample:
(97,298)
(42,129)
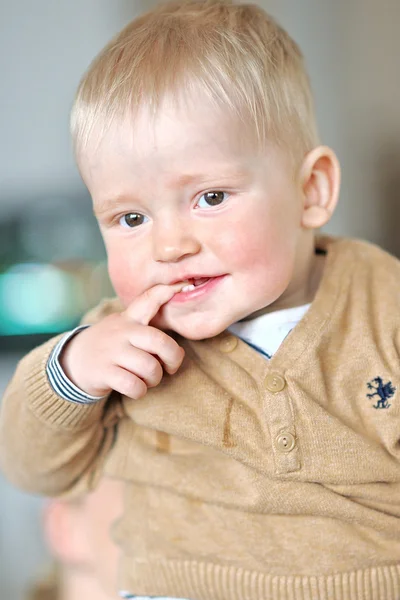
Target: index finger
(145,307)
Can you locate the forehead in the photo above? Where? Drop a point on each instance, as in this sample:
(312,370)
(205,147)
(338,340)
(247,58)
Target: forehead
(178,138)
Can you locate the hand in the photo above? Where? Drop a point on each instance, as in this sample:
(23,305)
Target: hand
(122,352)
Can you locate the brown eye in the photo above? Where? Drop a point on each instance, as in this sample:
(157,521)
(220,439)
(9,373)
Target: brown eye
(212,199)
(132,220)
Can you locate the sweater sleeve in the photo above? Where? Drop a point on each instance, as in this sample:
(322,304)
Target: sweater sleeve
(49,445)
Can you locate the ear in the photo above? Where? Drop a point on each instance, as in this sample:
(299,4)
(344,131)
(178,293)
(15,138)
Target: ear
(320,182)
(64,532)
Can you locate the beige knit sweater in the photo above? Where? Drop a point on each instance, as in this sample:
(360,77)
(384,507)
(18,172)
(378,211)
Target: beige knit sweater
(247,479)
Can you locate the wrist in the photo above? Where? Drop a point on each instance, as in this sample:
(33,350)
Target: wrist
(64,377)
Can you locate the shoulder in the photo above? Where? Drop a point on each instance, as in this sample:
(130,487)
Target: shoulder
(374,256)
(369,288)
(364,259)
(379,270)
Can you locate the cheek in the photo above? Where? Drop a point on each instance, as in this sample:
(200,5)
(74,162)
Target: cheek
(125,277)
(262,251)
(267,239)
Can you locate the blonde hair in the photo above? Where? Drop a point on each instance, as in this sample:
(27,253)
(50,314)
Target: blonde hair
(47,588)
(236,55)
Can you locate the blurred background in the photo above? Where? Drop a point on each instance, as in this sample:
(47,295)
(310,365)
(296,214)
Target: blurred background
(52,262)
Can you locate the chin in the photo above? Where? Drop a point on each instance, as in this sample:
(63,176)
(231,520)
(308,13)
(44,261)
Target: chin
(198,331)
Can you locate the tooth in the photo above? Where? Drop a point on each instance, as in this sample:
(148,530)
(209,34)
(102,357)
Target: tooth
(187,288)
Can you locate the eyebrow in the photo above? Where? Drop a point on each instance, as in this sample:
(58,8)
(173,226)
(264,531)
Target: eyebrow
(188,178)
(108,204)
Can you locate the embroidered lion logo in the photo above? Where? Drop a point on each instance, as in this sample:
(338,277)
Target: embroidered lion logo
(384,391)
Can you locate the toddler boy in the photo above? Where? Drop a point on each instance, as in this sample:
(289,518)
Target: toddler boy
(244,383)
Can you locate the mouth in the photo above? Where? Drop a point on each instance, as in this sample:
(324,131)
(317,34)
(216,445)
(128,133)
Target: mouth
(197,287)
(195,282)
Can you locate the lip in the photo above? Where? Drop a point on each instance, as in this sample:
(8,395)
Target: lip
(200,291)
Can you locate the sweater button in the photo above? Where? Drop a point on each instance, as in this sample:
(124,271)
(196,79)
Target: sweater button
(274,382)
(285,442)
(228,343)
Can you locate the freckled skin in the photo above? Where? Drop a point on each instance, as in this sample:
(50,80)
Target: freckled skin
(254,236)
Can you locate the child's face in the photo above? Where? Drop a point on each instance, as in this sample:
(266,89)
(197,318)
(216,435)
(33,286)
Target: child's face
(185,197)
(78,533)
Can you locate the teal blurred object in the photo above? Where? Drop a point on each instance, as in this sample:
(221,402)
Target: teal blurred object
(40,298)
(35,298)
(52,268)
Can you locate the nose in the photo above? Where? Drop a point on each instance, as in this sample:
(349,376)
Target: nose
(173,240)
